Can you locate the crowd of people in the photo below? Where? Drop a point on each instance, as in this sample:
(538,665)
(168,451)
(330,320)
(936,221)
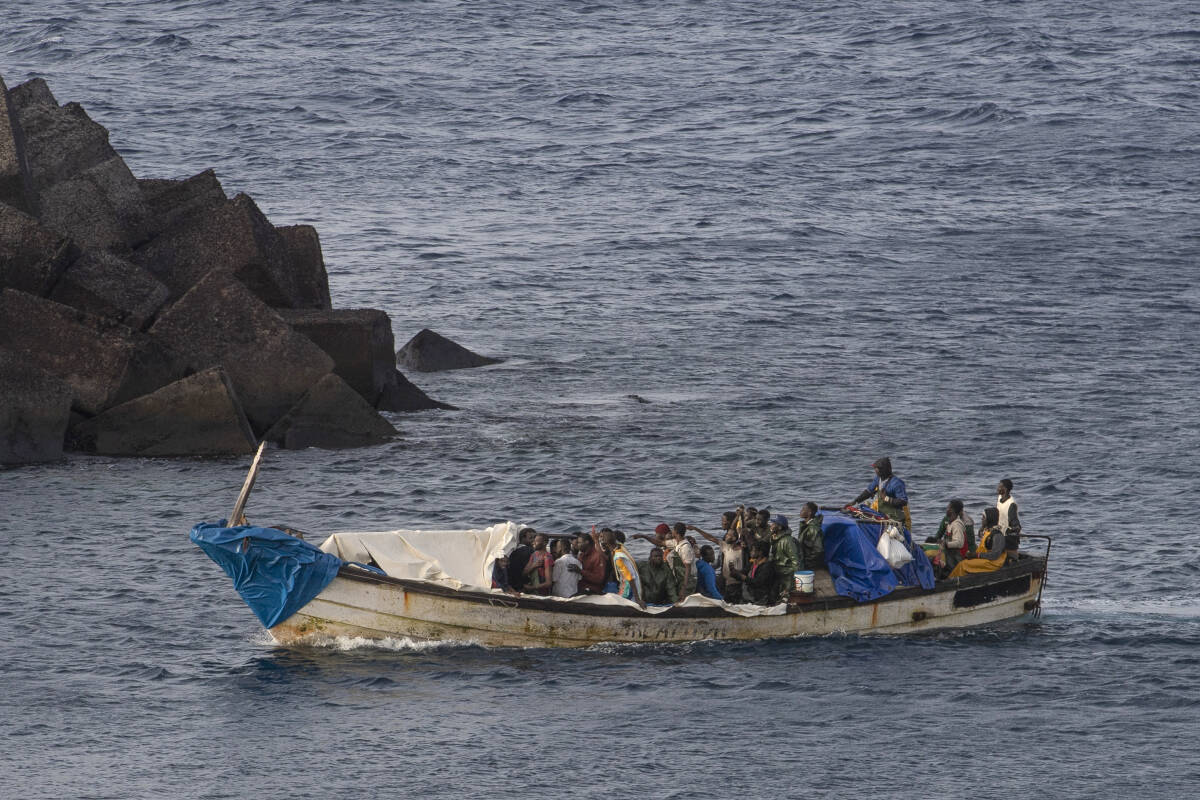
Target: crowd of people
(752,560)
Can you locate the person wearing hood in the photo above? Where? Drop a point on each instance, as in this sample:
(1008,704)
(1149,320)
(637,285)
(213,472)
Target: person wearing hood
(785,556)
(891,496)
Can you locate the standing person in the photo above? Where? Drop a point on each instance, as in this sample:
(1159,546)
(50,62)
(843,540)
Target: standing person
(625,569)
(733,556)
(891,495)
(519,558)
(594,566)
(785,557)
(566,573)
(812,549)
(538,576)
(683,560)
(1010,523)
(661,538)
(989,555)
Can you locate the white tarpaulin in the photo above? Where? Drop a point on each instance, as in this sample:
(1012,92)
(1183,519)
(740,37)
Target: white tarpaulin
(463,559)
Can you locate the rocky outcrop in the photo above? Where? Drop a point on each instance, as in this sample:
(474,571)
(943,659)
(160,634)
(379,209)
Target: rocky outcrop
(432,352)
(154,306)
(198,415)
(330,415)
(35,408)
(360,342)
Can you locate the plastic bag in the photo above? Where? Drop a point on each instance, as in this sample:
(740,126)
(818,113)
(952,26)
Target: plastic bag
(891,547)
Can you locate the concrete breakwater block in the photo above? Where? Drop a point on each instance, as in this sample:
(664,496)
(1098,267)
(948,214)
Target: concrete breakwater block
(331,415)
(197,415)
(171,200)
(35,408)
(107,285)
(83,188)
(15,188)
(307,265)
(432,352)
(233,236)
(104,363)
(32,257)
(219,322)
(361,344)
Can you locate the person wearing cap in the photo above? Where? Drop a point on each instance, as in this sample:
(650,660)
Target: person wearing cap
(891,496)
(784,555)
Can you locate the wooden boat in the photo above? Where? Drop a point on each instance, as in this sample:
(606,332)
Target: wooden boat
(359,602)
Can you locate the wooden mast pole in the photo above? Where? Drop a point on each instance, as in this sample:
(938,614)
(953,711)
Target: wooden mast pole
(238,516)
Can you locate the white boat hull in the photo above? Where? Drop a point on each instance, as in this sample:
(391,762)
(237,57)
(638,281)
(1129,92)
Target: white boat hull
(357,606)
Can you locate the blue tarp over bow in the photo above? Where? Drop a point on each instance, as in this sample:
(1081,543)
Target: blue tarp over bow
(857,569)
(276,574)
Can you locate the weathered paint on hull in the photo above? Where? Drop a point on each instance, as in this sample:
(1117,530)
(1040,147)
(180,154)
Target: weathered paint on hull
(375,611)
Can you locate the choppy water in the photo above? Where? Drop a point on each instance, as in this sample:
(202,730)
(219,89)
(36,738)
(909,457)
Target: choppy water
(964,235)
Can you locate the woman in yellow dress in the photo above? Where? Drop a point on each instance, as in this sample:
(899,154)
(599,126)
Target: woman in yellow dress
(989,555)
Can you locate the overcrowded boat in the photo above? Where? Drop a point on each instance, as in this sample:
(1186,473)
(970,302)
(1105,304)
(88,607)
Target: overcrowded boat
(437,585)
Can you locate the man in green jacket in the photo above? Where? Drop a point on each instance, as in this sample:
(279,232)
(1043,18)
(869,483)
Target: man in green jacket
(659,584)
(812,541)
(784,556)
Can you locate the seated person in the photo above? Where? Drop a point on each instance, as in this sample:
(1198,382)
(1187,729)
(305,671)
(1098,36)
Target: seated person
(989,555)
(706,576)
(500,575)
(659,583)
(952,538)
(759,580)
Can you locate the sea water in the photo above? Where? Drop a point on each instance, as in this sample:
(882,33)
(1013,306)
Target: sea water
(960,235)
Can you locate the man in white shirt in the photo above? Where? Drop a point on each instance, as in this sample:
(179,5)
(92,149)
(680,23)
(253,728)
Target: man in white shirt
(566,571)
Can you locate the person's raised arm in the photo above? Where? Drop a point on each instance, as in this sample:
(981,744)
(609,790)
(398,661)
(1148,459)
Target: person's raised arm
(705,534)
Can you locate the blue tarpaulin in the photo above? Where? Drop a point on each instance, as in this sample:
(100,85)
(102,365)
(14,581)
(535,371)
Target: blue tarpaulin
(857,569)
(276,574)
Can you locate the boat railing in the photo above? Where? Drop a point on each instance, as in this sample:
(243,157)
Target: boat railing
(1037,609)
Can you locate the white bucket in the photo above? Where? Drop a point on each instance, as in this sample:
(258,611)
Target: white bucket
(804,581)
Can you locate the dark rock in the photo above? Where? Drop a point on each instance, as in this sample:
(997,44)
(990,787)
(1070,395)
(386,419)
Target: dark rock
(15,187)
(32,258)
(401,394)
(109,286)
(331,415)
(219,322)
(31,93)
(35,408)
(173,200)
(84,189)
(198,415)
(432,352)
(306,265)
(103,362)
(233,236)
(361,345)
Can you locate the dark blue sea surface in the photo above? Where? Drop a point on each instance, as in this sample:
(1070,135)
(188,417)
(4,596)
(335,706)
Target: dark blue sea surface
(965,235)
